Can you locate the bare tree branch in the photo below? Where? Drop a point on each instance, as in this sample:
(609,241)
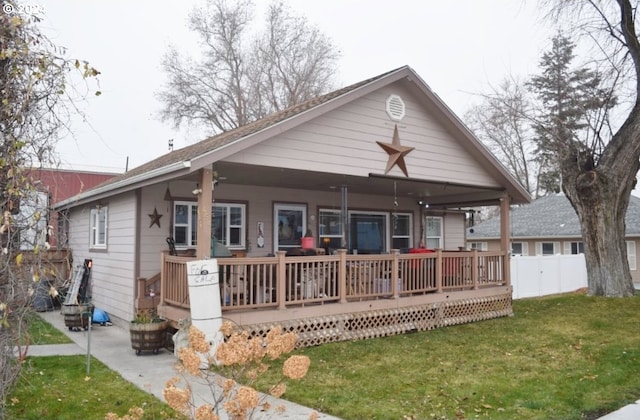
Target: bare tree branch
(240,79)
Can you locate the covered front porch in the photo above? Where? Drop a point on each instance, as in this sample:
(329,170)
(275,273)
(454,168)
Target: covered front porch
(327,298)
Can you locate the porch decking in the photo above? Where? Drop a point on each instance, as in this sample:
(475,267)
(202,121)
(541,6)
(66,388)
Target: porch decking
(341,297)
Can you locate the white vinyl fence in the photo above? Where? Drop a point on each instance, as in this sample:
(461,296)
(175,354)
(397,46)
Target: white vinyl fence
(547,275)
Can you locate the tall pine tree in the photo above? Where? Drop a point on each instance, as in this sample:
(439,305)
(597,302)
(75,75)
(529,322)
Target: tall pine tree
(569,100)
(596,165)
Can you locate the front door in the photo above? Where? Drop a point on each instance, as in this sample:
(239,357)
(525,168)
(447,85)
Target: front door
(290,224)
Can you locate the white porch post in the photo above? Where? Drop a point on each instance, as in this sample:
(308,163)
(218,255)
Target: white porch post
(505,235)
(203,247)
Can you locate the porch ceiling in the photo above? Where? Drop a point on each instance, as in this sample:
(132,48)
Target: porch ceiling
(436,194)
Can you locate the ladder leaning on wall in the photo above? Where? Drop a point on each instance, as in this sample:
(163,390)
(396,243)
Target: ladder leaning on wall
(72,295)
(79,284)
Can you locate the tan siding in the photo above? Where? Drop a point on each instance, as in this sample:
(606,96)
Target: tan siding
(112,272)
(454,231)
(261,201)
(153,239)
(344,141)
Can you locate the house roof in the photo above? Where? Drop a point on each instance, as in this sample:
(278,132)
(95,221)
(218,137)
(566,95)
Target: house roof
(202,154)
(548,217)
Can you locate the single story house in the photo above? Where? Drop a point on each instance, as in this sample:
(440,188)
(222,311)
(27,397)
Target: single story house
(549,226)
(372,171)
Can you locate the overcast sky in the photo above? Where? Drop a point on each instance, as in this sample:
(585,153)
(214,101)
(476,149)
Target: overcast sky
(458,47)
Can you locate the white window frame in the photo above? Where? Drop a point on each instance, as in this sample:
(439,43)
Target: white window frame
(409,237)
(568,245)
(539,246)
(439,237)
(276,210)
(480,246)
(192,241)
(321,233)
(631,255)
(523,245)
(98,227)
(242,226)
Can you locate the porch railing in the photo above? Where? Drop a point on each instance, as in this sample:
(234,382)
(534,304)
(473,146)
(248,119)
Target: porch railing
(281,281)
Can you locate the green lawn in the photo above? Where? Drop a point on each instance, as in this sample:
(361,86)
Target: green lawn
(56,388)
(41,332)
(562,357)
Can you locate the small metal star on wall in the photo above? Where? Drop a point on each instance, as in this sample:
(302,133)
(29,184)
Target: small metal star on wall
(396,153)
(155,218)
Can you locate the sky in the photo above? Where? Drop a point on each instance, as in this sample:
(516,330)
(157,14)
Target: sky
(459,48)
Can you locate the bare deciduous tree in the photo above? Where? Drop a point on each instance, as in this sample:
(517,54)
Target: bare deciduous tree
(240,78)
(34,106)
(501,122)
(598,173)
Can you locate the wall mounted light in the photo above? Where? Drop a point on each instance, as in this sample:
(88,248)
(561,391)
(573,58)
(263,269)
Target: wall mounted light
(197,190)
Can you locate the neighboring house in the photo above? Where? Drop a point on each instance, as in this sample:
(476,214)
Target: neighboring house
(51,186)
(550,226)
(380,165)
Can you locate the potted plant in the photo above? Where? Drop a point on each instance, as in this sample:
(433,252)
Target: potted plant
(148,332)
(307,241)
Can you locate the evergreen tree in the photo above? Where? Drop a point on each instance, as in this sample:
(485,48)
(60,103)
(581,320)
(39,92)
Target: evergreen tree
(569,99)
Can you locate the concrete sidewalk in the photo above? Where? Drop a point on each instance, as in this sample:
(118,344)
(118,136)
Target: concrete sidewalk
(628,412)
(149,372)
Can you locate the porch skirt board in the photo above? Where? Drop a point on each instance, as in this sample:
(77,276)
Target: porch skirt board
(387,322)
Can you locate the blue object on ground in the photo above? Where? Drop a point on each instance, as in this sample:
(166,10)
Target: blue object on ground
(100,317)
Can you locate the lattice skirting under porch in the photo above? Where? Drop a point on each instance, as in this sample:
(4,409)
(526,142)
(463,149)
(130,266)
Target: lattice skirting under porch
(386,322)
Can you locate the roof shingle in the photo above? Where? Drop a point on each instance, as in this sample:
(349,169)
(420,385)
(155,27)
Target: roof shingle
(222,139)
(548,217)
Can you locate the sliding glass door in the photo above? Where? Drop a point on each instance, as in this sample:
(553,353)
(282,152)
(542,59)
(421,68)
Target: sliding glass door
(368,232)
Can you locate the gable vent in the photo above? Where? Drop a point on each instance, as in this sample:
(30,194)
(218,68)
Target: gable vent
(395,107)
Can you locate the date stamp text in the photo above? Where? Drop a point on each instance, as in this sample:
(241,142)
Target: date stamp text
(22,9)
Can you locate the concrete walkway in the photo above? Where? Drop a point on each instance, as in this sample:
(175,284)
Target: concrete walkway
(628,412)
(149,372)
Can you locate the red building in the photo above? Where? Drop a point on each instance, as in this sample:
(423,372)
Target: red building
(54,185)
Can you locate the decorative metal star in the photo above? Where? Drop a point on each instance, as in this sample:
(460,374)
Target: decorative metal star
(155,218)
(396,153)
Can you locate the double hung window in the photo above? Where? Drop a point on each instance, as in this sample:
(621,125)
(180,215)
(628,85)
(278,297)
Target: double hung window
(228,224)
(98,227)
(434,232)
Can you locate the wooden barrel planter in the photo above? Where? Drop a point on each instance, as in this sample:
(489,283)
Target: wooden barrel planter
(77,316)
(149,336)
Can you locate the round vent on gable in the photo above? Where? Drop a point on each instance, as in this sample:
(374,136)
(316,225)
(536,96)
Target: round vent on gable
(395,107)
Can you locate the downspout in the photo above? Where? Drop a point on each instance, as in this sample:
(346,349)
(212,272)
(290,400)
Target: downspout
(344,217)
(137,243)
